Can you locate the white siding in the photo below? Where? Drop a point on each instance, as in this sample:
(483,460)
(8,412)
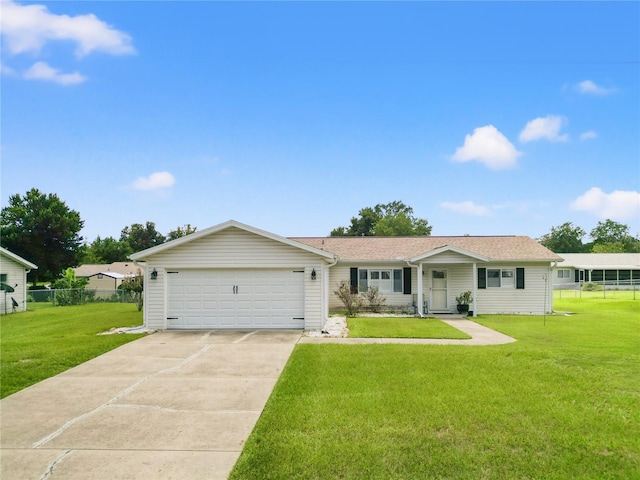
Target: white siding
(565,280)
(232,248)
(16,274)
(531,299)
(341,272)
(459,279)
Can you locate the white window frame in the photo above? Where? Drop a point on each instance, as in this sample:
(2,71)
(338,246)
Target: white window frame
(506,278)
(385,285)
(564,273)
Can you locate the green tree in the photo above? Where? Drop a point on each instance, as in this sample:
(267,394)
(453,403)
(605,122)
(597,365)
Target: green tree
(107,250)
(391,219)
(613,237)
(135,287)
(42,229)
(181,232)
(140,237)
(566,238)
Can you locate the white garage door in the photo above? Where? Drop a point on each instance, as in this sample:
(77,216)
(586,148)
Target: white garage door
(262,298)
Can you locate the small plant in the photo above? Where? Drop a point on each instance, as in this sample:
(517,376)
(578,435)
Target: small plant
(350,299)
(591,287)
(465,298)
(375,300)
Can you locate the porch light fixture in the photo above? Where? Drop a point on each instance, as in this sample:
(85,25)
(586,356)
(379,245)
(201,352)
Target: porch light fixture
(313,274)
(154,274)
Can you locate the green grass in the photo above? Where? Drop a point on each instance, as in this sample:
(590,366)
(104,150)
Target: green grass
(401,327)
(562,402)
(45,340)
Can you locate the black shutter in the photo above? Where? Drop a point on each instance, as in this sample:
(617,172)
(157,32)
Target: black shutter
(520,278)
(354,280)
(406,273)
(482,278)
(577,275)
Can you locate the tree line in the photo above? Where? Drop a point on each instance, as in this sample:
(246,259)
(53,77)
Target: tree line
(606,237)
(44,230)
(41,228)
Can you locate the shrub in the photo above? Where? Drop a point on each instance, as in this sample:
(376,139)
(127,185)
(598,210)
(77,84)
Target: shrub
(591,287)
(375,300)
(351,300)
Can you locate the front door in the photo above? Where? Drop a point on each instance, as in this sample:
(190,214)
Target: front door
(439,293)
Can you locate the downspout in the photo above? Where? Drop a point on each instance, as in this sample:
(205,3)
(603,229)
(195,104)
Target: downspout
(474,279)
(325,303)
(419,288)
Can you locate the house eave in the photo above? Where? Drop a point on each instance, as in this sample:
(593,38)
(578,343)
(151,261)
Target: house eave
(18,259)
(328,257)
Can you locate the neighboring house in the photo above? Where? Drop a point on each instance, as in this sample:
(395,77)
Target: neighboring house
(105,280)
(13,276)
(619,269)
(106,276)
(236,276)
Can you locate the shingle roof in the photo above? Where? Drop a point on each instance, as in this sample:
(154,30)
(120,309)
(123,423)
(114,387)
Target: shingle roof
(496,248)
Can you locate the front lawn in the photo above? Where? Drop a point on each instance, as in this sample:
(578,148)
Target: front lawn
(46,340)
(561,402)
(401,327)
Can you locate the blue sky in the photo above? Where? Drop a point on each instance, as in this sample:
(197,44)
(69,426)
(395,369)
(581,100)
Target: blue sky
(486,118)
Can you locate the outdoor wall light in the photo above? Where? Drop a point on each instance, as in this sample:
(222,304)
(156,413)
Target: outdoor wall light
(313,274)
(154,274)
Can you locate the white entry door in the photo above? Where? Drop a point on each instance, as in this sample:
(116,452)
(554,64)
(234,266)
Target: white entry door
(439,292)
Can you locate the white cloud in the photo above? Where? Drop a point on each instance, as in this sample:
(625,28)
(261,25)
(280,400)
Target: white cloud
(617,205)
(587,87)
(5,70)
(42,71)
(487,145)
(27,28)
(588,135)
(544,128)
(154,181)
(467,208)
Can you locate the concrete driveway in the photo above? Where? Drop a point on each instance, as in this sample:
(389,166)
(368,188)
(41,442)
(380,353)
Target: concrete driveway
(174,405)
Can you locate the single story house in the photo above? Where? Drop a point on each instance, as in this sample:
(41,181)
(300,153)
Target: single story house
(233,275)
(88,270)
(618,269)
(13,280)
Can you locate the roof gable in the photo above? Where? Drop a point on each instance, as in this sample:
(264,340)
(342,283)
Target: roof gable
(448,248)
(225,226)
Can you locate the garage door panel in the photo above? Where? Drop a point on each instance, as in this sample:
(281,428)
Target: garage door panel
(260,298)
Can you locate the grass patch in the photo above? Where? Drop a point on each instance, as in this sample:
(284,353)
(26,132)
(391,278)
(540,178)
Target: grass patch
(560,403)
(46,340)
(401,327)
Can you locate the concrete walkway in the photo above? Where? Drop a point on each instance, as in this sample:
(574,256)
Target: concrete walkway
(174,405)
(480,335)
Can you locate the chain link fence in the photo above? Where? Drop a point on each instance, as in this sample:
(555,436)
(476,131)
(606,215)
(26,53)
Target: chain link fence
(80,296)
(602,289)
